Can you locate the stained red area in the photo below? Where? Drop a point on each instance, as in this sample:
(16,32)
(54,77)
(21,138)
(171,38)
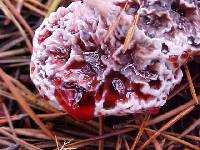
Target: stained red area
(42,37)
(56,81)
(32,68)
(46,98)
(141,96)
(186,56)
(115,88)
(78,102)
(154,111)
(173,58)
(156,84)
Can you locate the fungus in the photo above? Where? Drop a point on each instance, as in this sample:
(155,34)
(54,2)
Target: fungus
(76,70)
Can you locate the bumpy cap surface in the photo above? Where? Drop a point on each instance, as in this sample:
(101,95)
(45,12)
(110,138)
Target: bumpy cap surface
(76,70)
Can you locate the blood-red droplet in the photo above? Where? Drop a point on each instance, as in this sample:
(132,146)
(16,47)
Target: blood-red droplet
(78,102)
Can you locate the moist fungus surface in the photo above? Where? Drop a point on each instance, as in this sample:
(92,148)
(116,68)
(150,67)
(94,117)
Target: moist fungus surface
(76,70)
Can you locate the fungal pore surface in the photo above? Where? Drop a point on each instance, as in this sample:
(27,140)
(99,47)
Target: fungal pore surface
(78,71)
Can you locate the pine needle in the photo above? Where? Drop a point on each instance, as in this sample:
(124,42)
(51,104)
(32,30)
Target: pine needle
(53,6)
(167,125)
(131,30)
(192,89)
(24,104)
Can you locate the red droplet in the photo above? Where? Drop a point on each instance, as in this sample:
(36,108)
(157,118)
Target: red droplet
(83,109)
(41,38)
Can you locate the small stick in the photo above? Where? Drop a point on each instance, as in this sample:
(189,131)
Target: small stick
(166,126)
(119,143)
(17,140)
(167,135)
(31,7)
(188,130)
(157,145)
(131,30)
(171,113)
(9,119)
(19,17)
(93,139)
(115,23)
(39,4)
(147,116)
(101,142)
(9,14)
(125,143)
(192,89)
(11,43)
(23,103)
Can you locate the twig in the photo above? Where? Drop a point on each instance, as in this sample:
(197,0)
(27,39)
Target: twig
(166,135)
(21,142)
(119,143)
(9,119)
(131,30)
(11,43)
(192,89)
(101,132)
(11,16)
(53,6)
(34,133)
(24,104)
(188,130)
(167,125)
(19,17)
(147,116)
(39,4)
(91,140)
(12,52)
(171,113)
(115,23)
(125,143)
(31,7)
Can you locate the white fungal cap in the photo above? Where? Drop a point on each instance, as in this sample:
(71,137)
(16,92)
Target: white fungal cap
(77,71)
